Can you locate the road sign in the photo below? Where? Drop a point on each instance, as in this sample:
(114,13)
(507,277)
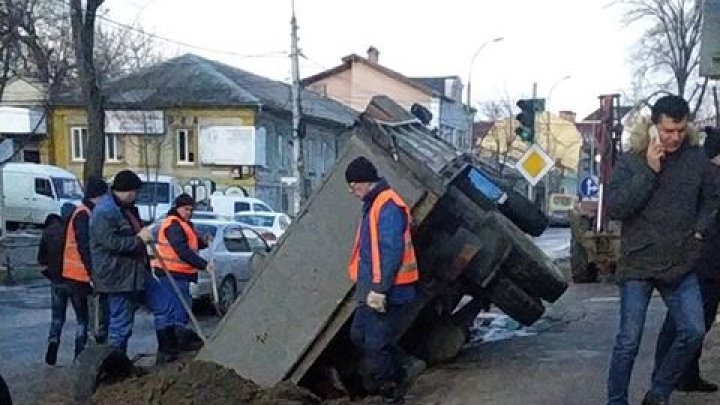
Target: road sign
(589,186)
(534,164)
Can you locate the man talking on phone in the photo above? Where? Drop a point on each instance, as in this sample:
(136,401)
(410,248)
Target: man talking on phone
(663,191)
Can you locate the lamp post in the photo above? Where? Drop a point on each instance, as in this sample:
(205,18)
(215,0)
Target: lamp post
(560,80)
(472,61)
(549,136)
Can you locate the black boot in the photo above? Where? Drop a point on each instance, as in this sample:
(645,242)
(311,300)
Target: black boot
(698,385)
(51,354)
(188,340)
(164,354)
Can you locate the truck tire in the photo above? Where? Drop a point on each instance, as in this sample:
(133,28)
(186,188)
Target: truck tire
(534,281)
(523,213)
(4,393)
(515,302)
(94,364)
(582,271)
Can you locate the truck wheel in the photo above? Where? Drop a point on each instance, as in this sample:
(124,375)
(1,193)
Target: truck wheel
(523,213)
(442,342)
(95,364)
(4,393)
(515,302)
(582,271)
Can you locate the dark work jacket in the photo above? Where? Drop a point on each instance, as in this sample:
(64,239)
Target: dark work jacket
(661,212)
(119,257)
(391,224)
(179,242)
(50,252)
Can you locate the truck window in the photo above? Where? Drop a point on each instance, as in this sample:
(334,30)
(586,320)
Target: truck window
(242,206)
(67,188)
(154,193)
(261,207)
(43,187)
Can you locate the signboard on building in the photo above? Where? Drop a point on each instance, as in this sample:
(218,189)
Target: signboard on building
(231,145)
(20,120)
(137,122)
(534,164)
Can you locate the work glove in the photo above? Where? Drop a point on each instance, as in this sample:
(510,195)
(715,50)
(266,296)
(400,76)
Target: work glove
(145,234)
(376,301)
(210,267)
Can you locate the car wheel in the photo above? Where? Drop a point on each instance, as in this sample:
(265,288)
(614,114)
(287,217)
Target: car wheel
(227,293)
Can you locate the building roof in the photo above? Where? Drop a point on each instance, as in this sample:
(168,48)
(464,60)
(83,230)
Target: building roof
(354,58)
(437,84)
(192,81)
(481,128)
(597,114)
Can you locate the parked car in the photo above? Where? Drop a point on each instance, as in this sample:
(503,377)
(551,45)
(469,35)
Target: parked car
(231,247)
(275,222)
(559,209)
(233,204)
(33,191)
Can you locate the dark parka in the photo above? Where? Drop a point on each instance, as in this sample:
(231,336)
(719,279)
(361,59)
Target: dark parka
(660,212)
(119,257)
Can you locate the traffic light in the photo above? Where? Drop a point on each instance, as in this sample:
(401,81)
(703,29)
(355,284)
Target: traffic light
(526,118)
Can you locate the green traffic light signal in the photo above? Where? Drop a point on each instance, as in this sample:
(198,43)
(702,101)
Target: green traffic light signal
(524,134)
(526,118)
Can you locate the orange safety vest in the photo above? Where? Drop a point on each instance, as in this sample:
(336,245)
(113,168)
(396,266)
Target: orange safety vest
(165,250)
(408,272)
(73,266)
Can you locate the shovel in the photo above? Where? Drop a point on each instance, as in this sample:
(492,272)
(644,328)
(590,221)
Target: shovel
(213,282)
(176,289)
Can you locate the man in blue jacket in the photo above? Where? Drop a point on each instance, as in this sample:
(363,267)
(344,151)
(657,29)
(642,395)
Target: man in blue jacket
(384,267)
(119,258)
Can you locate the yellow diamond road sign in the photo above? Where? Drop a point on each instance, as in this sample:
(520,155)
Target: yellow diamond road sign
(534,164)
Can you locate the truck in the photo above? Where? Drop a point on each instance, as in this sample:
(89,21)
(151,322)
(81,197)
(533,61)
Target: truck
(470,233)
(595,240)
(33,191)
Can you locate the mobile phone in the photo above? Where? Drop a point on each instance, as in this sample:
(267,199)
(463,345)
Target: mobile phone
(654,134)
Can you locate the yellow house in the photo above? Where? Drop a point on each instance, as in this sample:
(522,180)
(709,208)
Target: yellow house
(201,121)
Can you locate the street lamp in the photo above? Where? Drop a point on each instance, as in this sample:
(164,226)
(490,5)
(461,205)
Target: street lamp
(472,61)
(560,80)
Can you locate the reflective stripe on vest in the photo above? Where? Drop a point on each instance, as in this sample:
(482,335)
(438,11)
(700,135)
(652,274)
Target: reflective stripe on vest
(408,271)
(73,266)
(165,250)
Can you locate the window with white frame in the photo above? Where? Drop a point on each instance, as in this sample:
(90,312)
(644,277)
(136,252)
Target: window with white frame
(184,146)
(281,151)
(78,141)
(112,150)
(310,162)
(323,157)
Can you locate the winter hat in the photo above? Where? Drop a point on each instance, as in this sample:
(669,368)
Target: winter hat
(183,200)
(126,180)
(712,142)
(361,170)
(95,187)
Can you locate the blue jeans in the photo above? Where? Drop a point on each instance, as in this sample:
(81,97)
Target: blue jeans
(684,305)
(374,334)
(60,294)
(167,309)
(122,308)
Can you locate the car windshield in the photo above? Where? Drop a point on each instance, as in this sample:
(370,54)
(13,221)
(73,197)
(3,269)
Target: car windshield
(67,188)
(204,230)
(256,220)
(153,192)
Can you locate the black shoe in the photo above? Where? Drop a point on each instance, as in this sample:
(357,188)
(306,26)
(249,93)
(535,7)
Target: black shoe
(391,394)
(698,385)
(51,354)
(165,353)
(652,399)
(187,340)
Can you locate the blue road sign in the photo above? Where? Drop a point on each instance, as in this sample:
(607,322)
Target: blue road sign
(589,186)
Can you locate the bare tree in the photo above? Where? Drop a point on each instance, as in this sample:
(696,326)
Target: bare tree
(670,45)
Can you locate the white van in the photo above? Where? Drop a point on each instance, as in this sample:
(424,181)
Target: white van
(156,196)
(232,204)
(34,191)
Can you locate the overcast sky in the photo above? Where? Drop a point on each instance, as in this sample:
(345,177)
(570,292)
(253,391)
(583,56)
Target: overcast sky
(544,41)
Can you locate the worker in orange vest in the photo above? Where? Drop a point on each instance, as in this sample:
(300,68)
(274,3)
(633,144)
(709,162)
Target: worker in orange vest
(76,271)
(178,245)
(384,268)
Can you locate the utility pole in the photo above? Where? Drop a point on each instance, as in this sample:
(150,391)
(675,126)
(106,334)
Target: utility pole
(299,193)
(531,188)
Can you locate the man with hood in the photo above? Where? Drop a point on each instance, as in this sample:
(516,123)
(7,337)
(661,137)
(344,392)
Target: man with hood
(119,258)
(384,269)
(663,191)
(177,244)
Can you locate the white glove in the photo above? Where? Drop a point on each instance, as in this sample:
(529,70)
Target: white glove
(145,234)
(210,268)
(376,301)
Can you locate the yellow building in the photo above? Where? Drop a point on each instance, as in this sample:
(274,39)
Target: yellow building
(201,121)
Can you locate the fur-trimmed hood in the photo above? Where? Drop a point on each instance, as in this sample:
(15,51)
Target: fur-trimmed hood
(640,136)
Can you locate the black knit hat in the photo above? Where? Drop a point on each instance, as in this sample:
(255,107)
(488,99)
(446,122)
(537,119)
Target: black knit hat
(126,180)
(361,170)
(95,187)
(712,142)
(183,200)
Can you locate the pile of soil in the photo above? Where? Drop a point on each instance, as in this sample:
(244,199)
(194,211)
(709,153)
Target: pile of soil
(199,383)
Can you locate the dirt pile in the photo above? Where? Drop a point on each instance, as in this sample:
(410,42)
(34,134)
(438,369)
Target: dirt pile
(199,383)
